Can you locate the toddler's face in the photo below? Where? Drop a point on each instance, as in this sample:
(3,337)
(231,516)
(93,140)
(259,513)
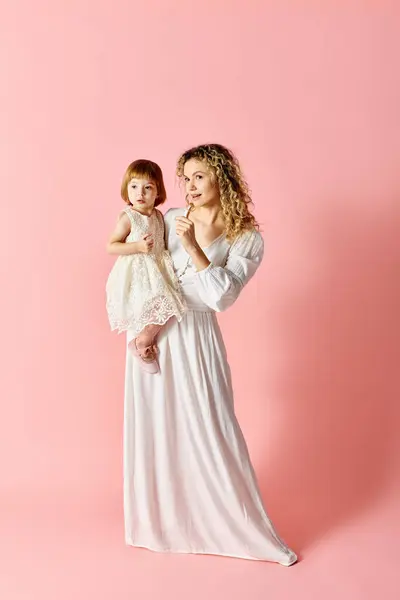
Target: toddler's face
(142,194)
(200,185)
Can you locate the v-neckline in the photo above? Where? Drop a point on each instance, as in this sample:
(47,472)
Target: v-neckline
(214,241)
(223,234)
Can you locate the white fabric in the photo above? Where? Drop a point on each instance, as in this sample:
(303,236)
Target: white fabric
(189,485)
(142,289)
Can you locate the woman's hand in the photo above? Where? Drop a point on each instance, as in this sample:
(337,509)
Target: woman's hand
(185,231)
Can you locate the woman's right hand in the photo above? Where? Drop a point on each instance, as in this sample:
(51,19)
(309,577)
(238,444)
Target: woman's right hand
(146,244)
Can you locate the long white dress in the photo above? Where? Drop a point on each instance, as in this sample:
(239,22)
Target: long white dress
(189,485)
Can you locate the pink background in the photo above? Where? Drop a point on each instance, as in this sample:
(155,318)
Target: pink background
(307,94)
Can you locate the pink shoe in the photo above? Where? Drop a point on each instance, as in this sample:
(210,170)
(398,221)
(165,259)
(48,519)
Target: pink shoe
(149,366)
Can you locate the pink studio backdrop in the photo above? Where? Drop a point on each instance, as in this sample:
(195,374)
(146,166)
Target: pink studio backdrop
(307,95)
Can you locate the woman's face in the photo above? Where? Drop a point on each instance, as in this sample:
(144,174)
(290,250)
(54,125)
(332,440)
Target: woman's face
(200,186)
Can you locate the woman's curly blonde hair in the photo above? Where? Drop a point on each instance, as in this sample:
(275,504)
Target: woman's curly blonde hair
(233,189)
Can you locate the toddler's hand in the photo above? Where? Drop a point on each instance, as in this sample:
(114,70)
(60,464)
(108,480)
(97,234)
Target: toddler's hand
(147,243)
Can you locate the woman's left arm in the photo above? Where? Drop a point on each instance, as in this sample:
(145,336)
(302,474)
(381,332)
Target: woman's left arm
(219,287)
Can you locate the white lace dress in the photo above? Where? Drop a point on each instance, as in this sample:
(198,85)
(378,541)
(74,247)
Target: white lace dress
(189,485)
(142,289)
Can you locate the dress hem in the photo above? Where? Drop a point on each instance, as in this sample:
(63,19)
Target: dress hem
(203,552)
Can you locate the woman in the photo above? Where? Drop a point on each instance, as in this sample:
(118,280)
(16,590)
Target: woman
(189,485)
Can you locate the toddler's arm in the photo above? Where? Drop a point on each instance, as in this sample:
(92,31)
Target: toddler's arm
(117,245)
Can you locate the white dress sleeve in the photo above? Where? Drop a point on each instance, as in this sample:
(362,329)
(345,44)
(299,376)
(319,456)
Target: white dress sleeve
(219,287)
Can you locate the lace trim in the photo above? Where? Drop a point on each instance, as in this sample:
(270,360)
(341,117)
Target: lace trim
(156,312)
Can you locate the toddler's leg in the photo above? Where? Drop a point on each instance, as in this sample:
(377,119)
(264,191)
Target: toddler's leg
(146,337)
(145,349)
